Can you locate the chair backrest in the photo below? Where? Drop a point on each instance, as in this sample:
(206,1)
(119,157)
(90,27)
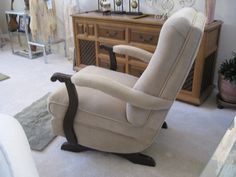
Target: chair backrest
(166,72)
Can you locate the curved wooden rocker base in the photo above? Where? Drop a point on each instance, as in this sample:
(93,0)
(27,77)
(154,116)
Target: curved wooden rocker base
(136,158)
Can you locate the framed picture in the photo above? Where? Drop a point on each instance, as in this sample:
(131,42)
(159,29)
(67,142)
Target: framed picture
(23,23)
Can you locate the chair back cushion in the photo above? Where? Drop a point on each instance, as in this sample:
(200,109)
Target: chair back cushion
(170,64)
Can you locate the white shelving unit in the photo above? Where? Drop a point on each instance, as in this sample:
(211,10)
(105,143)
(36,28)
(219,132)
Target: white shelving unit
(28,52)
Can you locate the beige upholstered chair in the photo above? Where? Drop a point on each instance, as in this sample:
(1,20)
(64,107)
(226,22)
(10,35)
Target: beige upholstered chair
(15,156)
(120,113)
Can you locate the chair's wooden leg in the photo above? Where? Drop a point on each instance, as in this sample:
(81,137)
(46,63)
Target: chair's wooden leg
(164,126)
(74,147)
(139,158)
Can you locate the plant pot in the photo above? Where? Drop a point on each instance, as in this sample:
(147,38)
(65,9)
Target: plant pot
(210,10)
(227,90)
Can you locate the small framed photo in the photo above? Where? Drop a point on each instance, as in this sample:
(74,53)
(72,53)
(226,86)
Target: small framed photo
(23,23)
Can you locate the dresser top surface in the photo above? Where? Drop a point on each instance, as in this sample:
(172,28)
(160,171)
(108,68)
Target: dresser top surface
(148,19)
(145,18)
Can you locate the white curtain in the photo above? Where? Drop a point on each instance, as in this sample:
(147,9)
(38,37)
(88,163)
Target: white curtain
(70,7)
(43,20)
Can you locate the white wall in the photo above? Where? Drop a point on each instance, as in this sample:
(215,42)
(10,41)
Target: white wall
(225,11)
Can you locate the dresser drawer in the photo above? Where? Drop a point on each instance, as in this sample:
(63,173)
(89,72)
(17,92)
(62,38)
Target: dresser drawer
(111,32)
(143,37)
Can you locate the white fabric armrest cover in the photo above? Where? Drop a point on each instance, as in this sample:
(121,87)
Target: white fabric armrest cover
(133,52)
(123,92)
(14,150)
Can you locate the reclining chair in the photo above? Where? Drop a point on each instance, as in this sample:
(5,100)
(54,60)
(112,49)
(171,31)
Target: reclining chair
(105,110)
(15,156)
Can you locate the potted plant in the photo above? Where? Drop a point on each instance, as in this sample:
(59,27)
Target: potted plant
(227,83)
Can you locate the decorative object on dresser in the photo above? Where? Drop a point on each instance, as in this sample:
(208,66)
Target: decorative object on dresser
(100,4)
(105,110)
(93,29)
(106,7)
(118,6)
(134,7)
(210,10)
(227,83)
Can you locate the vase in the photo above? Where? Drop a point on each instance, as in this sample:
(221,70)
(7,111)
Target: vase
(210,10)
(227,90)
(13,24)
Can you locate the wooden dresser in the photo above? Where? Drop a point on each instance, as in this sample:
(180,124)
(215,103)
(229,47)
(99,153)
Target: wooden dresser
(92,29)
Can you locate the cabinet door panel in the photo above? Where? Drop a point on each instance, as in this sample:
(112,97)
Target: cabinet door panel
(90,30)
(79,28)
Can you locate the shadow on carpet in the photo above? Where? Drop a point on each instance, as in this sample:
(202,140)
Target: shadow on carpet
(3,77)
(36,121)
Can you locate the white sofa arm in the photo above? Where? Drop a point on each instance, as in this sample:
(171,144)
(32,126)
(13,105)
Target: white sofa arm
(123,92)
(15,155)
(133,52)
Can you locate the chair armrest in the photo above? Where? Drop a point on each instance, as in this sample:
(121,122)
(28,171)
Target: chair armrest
(14,150)
(118,90)
(133,52)
(113,62)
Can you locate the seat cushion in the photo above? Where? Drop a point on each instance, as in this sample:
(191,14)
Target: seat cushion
(94,102)
(100,117)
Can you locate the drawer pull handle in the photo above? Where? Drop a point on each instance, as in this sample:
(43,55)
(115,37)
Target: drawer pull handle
(111,34)
(147,39)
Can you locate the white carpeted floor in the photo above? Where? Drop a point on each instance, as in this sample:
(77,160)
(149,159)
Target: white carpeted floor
(180,151)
